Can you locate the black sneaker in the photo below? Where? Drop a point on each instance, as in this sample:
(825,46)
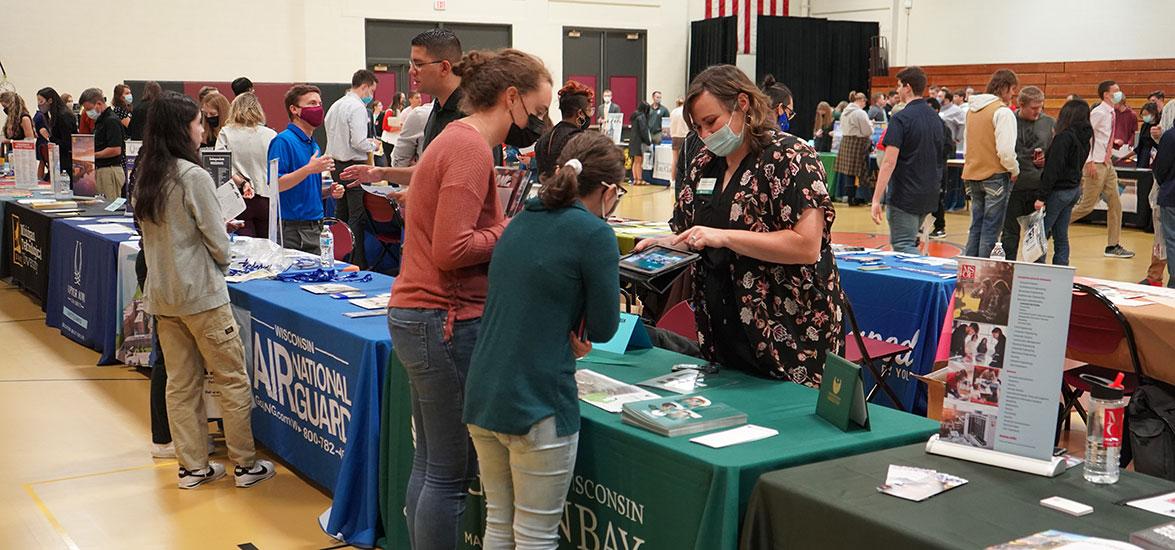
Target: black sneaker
(938,234)
(1117,251)
(261,471)
(191,480)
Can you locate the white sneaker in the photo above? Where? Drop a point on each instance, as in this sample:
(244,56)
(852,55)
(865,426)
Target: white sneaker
(261,471)
(191,480)
(163,451)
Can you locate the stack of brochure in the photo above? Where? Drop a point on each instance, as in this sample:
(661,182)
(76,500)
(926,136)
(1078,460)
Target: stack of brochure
(607,393)
(917,484)
(674,416)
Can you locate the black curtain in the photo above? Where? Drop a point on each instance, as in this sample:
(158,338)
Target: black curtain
(820,60)
(712,42)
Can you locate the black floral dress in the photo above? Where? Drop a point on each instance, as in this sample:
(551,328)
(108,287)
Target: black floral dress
(790,315)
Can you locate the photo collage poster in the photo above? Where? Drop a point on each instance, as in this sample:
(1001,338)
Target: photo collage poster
(1007,349)
(84,182)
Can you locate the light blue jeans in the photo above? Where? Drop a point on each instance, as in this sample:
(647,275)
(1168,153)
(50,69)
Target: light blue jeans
(1168,222)
(1058,207)
(989,203)
(525,478)
(444,462)
(903,229)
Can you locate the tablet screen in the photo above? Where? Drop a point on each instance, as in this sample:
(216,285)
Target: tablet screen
(656,259)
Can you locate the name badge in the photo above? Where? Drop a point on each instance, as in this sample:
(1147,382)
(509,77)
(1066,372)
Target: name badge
(706,186)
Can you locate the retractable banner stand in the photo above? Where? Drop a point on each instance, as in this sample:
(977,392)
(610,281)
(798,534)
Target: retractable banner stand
(24,163)
(275,211)
(1007,350)
(84,183)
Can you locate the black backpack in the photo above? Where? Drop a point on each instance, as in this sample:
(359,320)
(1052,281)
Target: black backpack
(1151,423)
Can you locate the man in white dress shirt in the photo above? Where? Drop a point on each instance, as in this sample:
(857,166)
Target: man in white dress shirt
(348,143)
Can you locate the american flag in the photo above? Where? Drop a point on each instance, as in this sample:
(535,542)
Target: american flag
(748,24)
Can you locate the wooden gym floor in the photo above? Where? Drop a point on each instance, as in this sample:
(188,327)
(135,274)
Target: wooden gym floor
(76,470)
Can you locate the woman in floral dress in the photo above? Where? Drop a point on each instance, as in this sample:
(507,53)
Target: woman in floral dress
(767,293)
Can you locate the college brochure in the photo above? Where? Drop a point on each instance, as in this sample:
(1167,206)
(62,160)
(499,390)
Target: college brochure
(1161,504)
(674,416)
(328,288)
(1060,540)
(607,393)
(1160,537)
(917,484)
(379,301)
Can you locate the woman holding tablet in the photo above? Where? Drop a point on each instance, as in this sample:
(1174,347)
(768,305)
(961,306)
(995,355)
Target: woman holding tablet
(554,287)
(767,292)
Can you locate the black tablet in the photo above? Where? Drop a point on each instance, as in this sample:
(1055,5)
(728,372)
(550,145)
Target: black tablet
(656,260)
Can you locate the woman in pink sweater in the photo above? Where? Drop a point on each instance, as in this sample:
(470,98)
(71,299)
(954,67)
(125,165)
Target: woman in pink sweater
(453,221)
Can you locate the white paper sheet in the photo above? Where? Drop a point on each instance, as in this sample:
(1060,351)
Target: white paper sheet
(231,201)
(1162,504)
(109,228)
(741,434)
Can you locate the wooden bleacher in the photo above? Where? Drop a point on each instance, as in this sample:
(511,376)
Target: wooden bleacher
(1136,77)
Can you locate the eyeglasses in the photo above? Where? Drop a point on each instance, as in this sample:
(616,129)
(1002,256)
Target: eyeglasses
(417,66)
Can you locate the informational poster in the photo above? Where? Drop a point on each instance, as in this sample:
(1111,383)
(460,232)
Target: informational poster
(24,163)
(613,126)
(1009,329)
(84,183)
(219,164)
(135,329)
(54,151)
(128,164)
(663,162)
(1127,195)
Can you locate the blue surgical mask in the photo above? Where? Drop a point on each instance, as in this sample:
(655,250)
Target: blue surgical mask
(128,98)
(724,141)
(1147,118)
(367,99)
(784,123)
(1118,97)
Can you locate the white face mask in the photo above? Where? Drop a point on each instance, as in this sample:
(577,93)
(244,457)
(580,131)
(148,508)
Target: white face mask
(1118,97)
(724,141)
(92,113)
(607,99)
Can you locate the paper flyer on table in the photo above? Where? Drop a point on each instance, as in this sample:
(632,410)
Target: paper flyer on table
(608,393)
(1007,350)
(917,484)
(1162,504)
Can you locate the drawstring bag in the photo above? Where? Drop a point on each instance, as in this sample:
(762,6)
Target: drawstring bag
(1035,243)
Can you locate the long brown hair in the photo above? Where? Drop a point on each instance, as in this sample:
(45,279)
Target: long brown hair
(222,108)
(602,164)
(16,112)
(120,90)
(823,116)
(726,83)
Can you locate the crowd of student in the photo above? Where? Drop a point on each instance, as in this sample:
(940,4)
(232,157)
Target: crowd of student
(1016,160)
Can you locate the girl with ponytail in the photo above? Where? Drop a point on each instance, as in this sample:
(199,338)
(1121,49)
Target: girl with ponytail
(554,288)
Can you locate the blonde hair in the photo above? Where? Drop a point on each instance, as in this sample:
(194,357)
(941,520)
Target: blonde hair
(16,112)
(246,111)
(726,83)
(823,116)
(220,103)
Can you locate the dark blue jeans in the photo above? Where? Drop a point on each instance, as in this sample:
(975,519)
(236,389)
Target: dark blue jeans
(989,203)
(444,461)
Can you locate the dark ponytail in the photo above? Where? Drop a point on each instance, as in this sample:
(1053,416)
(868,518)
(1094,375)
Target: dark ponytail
(602,163)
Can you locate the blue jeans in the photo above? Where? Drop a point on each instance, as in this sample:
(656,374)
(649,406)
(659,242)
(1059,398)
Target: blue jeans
(444,462)
(1058,207)
(903,229)
(989,203)
(1168,221)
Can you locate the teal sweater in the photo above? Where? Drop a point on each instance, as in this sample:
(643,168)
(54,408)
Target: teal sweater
(550,270)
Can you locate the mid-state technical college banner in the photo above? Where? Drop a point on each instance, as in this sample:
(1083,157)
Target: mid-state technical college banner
(1008,335)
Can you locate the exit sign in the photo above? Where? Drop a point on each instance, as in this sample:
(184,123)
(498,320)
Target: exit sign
(440,5)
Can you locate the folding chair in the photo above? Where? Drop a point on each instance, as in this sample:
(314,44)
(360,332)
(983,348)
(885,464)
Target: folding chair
(868,352)
(386,224)
(344,239)
(1096,331)
(680,320)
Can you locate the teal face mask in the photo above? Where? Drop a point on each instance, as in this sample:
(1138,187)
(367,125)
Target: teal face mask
(1118,97)
(1147,118)
(724,141)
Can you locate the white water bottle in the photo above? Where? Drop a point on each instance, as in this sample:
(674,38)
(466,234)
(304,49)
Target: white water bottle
(997,251)
(61,188)
(326,243)
(1103,432)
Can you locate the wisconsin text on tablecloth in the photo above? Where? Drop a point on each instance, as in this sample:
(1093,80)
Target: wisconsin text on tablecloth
(310,390)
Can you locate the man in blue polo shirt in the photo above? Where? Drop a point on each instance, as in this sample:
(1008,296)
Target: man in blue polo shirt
(299,167)
(913,148)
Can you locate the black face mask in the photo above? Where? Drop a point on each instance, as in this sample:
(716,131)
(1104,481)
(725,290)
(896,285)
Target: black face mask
(525,137)
(213,121)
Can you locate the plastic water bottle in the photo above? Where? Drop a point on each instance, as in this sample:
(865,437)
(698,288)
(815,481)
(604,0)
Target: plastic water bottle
(326,242)
(997,251)
(1103,435)
(61,188)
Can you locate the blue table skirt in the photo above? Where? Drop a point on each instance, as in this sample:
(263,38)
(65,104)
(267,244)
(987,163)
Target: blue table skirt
(82,300)
(900,307)
(317,377)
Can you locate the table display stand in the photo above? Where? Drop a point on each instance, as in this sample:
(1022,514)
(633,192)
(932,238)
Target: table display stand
(1046,468)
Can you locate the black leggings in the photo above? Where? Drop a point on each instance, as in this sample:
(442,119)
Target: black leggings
(160,430)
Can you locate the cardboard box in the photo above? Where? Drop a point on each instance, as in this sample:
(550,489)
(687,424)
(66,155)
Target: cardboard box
(936,389)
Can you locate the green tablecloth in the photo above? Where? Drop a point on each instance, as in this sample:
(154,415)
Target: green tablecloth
(835,504)
(632,485)
(632,232)
(829,162)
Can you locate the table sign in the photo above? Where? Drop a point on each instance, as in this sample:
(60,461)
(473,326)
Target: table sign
(613,126)
(218,163)
(24,163)
(1007,353)
(84,182)
(630,335)
(842,394)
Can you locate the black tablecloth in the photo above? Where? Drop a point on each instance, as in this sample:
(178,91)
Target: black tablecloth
(29,230)
(835,504)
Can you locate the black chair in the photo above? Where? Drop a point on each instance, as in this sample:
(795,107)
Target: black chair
(869,353)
